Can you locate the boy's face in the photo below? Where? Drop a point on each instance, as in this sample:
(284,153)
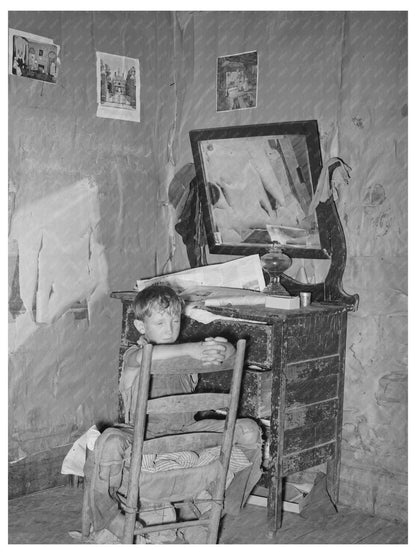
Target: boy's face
(160,327)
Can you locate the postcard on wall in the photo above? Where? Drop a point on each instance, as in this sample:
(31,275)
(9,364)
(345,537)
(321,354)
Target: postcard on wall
(118,87)
(33,56)
(237,81)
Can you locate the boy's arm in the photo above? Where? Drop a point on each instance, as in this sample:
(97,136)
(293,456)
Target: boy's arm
(209,352)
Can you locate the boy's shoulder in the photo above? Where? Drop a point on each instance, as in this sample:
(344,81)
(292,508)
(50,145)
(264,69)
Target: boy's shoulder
(141,342)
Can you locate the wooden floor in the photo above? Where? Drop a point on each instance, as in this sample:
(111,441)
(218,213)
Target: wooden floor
(47,517)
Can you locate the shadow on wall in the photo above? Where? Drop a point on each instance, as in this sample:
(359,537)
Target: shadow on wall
(61,262)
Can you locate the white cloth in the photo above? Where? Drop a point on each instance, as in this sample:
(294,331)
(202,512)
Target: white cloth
(74,461)
(324,187)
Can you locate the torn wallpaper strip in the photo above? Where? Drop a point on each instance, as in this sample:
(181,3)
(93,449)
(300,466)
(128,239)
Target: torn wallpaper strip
(61,259)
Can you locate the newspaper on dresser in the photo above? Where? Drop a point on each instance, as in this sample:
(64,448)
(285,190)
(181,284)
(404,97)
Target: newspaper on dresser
(242,273)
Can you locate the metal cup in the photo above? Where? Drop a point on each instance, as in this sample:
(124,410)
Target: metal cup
(305,299)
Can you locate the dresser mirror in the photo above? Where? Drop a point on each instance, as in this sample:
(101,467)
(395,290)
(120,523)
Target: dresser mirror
(256,186)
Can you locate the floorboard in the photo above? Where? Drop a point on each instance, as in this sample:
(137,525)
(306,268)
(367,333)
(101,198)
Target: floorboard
(395,533)
(341,529)
(47,517)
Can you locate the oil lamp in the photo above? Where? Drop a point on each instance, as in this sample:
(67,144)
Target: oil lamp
(275,262)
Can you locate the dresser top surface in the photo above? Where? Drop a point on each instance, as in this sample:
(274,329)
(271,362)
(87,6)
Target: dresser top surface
(269,315)
(256,313)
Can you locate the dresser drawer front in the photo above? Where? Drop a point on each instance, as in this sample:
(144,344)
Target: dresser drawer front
(307,415)
(308,436)
(256,394)
(312,381)
(297,462)
(315,336)
(258,337)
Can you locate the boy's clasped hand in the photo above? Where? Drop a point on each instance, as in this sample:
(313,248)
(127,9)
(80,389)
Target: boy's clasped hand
(214,350)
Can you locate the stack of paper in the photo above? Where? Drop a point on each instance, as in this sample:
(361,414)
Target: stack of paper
(243,273)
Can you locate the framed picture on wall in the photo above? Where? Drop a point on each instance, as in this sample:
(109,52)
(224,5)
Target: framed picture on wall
(118,87)
(237,81)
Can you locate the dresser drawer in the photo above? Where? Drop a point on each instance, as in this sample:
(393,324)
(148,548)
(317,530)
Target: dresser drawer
(311,391)
(256,394)
(258,337)
(313,336)
(311,381)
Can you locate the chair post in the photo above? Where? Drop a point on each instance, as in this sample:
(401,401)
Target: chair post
(227,442)
(137,447)
(85,515)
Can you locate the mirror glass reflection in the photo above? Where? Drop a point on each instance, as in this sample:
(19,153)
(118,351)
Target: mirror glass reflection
(259,190)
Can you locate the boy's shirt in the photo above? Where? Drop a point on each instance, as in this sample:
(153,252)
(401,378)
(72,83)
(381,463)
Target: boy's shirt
(160,386)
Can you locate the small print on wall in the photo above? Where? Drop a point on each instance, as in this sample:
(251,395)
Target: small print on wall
(237,81)
(33,56)
(118,87)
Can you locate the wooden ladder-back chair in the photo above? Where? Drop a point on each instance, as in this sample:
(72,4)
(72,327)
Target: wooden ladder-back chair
(188,441)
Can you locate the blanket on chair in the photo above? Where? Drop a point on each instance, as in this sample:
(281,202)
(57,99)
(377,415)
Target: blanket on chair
(165,478)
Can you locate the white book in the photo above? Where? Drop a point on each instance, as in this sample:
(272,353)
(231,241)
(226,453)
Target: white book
(293,502)
(283,302)
(293,506)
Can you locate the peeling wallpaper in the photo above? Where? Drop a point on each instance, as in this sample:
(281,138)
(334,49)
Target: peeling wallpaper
(347,70)
(60,258)
(87,216)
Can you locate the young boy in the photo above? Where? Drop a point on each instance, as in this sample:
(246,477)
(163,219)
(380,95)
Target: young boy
(158,319)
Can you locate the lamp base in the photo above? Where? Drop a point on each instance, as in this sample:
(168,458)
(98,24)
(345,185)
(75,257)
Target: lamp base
(274,263)
(275,288)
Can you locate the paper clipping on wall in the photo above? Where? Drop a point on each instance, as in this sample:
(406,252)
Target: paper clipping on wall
(237,77)
(33,56)
(118,87)
(244,273)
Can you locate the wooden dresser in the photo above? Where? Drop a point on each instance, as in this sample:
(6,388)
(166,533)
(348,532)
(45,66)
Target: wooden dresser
(298,382)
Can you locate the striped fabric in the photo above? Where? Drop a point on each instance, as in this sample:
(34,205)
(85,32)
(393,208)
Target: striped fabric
(189,459)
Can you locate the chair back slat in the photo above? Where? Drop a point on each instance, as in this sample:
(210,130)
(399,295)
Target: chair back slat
(188,365)
(189,402)
(182,442)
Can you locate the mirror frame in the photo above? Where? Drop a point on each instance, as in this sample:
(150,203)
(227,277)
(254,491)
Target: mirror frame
(307,129)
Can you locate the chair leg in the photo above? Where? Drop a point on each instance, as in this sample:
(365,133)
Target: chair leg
(86,520)
(137,447)
(333,478)
(214,524)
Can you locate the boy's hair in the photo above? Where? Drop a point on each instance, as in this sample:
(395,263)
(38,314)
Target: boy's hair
(156,297)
